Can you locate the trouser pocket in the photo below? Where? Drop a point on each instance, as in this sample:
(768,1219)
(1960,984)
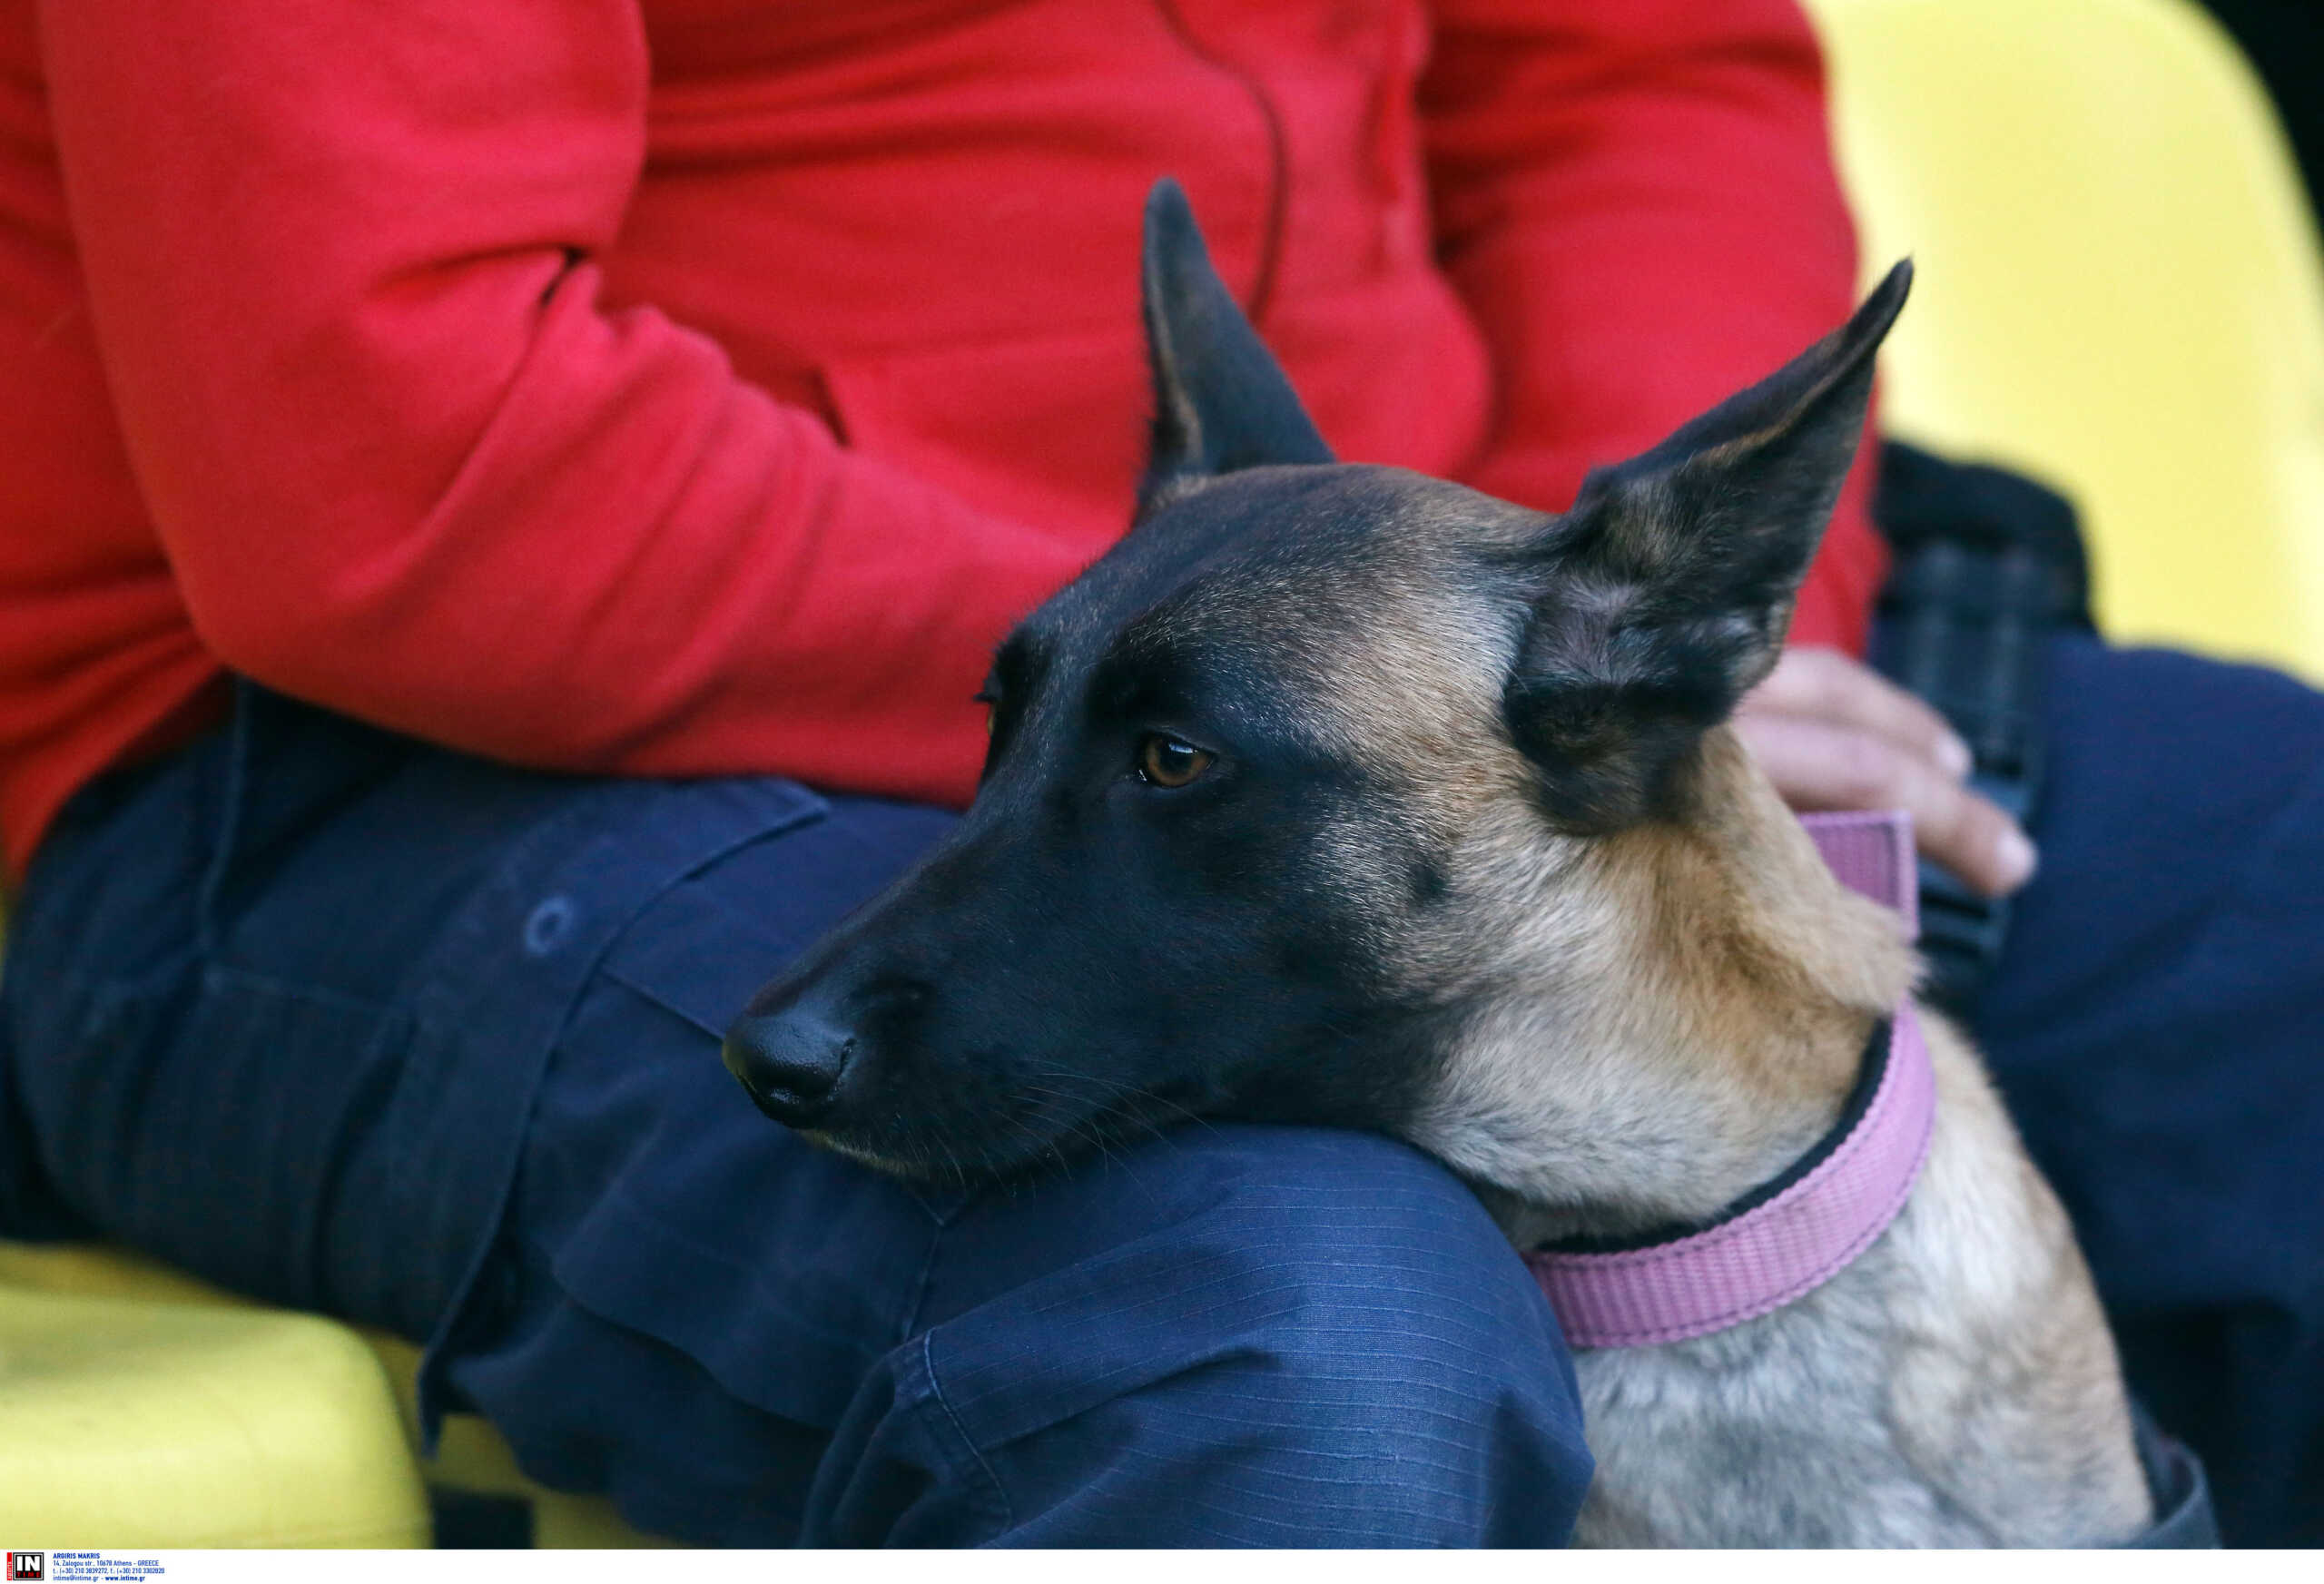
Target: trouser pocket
(243,1129)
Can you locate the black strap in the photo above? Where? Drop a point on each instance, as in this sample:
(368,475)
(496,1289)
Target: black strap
(1986,566)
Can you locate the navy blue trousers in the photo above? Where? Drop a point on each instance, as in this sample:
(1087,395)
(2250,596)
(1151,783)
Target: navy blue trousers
(2157,1025)
(360,1025)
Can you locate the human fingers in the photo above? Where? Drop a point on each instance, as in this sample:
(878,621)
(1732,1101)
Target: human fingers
(1824,685)
(1816,764)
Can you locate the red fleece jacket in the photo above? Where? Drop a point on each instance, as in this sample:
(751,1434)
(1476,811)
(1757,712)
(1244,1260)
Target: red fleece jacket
(671,387)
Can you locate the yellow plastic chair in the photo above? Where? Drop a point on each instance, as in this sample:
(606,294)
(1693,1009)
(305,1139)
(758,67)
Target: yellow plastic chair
(2119,291)
(146,1408)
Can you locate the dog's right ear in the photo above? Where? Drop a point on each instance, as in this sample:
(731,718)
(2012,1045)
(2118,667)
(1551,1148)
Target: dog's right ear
(1221,402)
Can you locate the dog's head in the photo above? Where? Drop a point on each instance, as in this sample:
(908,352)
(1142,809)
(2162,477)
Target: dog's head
(1280,789)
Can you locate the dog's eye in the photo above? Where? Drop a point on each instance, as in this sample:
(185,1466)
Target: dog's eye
(1168,763)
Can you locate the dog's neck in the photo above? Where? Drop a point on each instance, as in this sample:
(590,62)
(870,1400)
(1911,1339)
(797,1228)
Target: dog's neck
(1681,1014)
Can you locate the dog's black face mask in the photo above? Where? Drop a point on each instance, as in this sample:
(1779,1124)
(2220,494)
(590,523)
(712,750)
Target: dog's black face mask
(1149,913)
(1207,833)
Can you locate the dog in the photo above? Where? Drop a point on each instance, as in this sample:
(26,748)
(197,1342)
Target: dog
(1336,794)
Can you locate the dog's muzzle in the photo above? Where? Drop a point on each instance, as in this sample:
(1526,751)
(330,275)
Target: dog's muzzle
(791,1062)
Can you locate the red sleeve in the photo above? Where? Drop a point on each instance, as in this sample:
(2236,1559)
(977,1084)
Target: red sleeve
(1636,198)
(403,462)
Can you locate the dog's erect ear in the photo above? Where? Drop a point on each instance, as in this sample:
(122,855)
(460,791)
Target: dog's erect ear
(1666,592)
(1220,400)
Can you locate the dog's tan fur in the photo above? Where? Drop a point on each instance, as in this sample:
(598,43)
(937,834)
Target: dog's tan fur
(1961,1373)
(1656,1022)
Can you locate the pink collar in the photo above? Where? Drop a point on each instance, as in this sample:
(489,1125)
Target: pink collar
(1799,1230)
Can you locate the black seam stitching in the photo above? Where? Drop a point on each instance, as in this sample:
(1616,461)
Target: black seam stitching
(1271,239)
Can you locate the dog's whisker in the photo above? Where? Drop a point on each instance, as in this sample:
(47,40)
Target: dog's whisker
(1075,1127)
(1131,1109)
(1043,1144)
(1120,1104)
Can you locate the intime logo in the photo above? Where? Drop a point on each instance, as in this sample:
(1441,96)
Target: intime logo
(27,1568)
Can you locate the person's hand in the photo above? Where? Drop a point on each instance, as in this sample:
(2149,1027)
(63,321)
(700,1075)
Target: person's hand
(1833,733)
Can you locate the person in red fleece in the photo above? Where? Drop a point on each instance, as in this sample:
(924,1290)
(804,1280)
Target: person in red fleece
(695,333)
(472,468)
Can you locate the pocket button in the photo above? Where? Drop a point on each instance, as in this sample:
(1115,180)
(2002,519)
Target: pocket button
(547,925)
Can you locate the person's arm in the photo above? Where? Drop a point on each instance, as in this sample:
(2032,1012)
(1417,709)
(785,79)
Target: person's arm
(1636,200)
(405,464)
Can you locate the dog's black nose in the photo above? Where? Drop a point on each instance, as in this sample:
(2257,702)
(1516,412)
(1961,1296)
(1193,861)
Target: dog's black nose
(790,1061)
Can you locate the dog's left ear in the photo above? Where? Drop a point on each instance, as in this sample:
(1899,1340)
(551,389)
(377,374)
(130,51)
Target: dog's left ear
(1221,402)
(1665,593)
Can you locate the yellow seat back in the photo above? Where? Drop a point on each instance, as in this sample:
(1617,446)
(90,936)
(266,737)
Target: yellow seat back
(2119,291)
